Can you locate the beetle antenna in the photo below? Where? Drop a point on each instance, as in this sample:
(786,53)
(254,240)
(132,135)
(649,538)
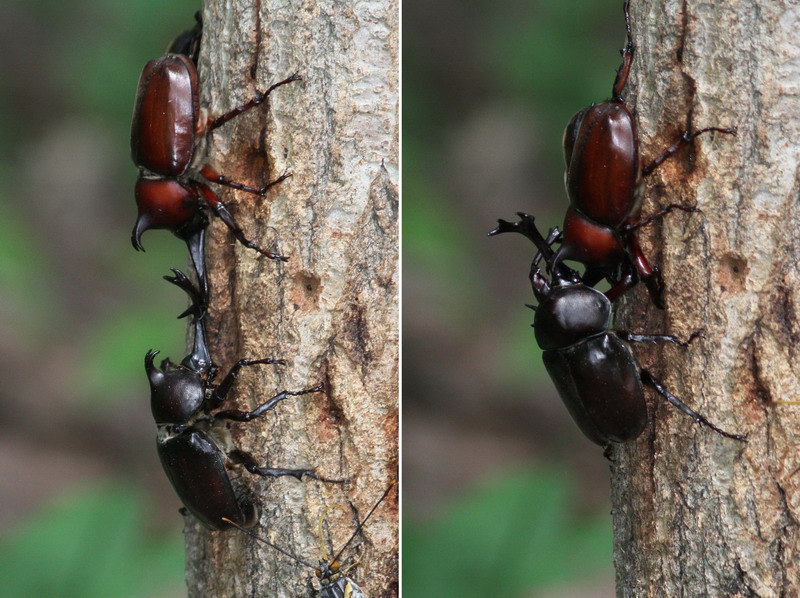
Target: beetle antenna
(364,521)
(323,550)
(267,542)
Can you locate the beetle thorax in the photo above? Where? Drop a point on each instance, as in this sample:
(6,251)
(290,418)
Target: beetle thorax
(571,314)
(176,396)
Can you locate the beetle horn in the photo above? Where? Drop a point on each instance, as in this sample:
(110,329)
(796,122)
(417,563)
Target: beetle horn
(153,373)
(195,241)
(143,223)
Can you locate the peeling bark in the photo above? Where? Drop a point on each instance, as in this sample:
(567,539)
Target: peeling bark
(332,309)
(696,514)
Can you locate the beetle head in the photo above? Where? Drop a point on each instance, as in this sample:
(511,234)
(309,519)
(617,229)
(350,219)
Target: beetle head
(169,204)
(176,393)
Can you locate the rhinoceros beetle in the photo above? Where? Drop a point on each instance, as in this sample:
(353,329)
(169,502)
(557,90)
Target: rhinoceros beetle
(332,577)
(603,174)
(591,365)
(166,131)
(194,444)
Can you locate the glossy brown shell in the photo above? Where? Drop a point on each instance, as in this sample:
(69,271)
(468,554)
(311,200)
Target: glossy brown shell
(602,163)
(598,380)
(165,115)
(196,468)
(589,243)
(165,203)
(569,314)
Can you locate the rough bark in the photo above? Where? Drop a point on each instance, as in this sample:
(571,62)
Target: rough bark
(696,514)
(332,309)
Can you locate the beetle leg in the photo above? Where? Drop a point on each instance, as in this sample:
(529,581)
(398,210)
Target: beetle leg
(220,393)
(258,99)
(647,378)
(631,226)
(619,285)
(592,276)
(246,416)
(650,276)
(623,286)
(627,59)
(215,177)
(658,338)
(250,464)
(222,211)
(686,137)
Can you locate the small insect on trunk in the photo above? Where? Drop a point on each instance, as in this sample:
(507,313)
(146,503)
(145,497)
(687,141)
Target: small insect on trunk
(332,577)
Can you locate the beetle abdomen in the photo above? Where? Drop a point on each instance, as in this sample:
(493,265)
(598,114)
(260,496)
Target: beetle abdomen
(196,468)
(165,115)
(604,165)
(598,380)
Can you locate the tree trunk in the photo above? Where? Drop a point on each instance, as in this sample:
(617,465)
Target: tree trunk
(696,514)
(332,309)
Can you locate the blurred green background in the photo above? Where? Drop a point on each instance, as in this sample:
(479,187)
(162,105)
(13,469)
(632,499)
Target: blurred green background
(85,509)
(502,494)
